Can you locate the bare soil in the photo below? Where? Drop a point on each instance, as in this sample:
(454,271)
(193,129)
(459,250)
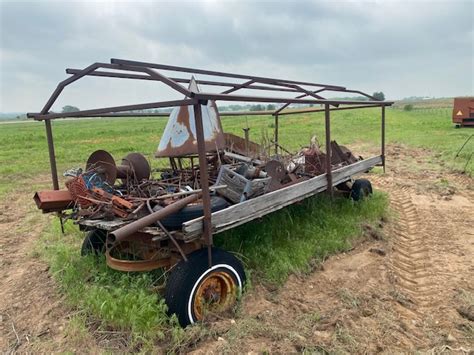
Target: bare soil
(407,286)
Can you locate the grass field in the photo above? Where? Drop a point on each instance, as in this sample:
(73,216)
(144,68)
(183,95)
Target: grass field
(293,240)
(289,241)
(24,153)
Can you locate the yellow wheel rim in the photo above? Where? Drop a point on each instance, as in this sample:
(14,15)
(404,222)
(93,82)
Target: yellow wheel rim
(216,293)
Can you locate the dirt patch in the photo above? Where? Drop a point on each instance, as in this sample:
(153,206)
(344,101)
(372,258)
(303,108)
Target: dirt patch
(31,310)
(408,285)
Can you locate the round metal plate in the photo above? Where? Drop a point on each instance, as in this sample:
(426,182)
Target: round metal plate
(103,162)
(137,164)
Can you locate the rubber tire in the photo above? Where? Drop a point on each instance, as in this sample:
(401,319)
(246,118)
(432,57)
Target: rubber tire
(185,278)
(94,242)
(176,220)
(361,188)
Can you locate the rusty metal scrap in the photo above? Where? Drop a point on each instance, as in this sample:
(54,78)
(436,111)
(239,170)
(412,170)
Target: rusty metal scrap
(53,200)
(97,194)
(105,191)
(127,230)
(180,138)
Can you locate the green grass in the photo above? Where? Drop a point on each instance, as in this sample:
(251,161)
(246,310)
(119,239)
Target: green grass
(291,240)
(24,153)
(295,238)
(118,300)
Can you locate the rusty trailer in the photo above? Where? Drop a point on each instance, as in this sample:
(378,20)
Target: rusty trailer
(227,181)
(463,112)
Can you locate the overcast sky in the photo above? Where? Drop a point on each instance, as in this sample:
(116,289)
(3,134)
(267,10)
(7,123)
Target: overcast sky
(402,48)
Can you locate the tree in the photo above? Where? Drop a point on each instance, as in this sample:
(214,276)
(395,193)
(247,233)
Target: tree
(257,107)
(270,107)
(69,108)
(379,96)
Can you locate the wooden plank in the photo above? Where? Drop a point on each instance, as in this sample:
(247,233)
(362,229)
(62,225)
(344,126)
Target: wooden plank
(116,223)
(258,207)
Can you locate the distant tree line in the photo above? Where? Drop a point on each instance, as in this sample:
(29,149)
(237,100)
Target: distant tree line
(379,96)
(69,108)
(248,107)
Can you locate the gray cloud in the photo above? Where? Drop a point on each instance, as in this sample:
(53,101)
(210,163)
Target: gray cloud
(400,47)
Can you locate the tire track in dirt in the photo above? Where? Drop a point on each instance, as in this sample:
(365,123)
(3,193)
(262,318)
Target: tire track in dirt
(410,264)
(410,260)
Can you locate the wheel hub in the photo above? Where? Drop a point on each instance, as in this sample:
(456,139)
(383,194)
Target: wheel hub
(216,292)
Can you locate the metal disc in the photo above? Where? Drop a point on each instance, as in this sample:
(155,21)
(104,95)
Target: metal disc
(138,165)
(103,162)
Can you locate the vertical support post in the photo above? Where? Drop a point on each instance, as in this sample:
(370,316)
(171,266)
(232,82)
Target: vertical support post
(328,149)
(276,134)
(247,140)
(383,138)
(204,180)
(52,156)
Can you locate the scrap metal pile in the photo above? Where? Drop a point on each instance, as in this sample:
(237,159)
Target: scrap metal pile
(240,171)
(237,168)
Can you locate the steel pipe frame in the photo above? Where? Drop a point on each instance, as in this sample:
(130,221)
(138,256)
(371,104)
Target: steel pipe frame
(321,90)
(282,87)
(383,138)
(276,134)
(178,80)
(327,128)
(52,155)
(111,110)
(237,113)
(197,99)
(215,73)
(244,98)
(284,113)
(288,104)
(49,132)
(270,81)
(204,179)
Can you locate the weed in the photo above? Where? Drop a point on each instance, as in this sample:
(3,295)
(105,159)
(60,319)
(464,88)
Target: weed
(348,298)
(343,336)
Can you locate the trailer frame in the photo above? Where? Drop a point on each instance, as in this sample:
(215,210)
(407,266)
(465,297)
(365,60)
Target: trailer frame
(198,232)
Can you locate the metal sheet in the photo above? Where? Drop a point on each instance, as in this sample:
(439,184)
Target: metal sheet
(53,200)
(179,137)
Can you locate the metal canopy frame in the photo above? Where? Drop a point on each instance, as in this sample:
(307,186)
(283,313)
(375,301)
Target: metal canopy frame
(307,93)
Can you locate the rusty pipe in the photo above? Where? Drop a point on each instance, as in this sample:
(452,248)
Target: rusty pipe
(126,231)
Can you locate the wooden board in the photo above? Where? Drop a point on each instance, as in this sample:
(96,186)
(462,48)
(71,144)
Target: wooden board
(246,211)
(117,223)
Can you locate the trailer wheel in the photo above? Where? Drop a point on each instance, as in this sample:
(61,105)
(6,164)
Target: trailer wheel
(361,188)
(94,242)
(193,287)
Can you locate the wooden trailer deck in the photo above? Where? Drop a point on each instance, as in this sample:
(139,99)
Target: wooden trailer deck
(257,207)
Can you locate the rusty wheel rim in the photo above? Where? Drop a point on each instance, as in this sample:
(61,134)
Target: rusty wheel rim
(217,292)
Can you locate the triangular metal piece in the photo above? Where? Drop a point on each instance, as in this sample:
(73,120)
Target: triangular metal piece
(179,136)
